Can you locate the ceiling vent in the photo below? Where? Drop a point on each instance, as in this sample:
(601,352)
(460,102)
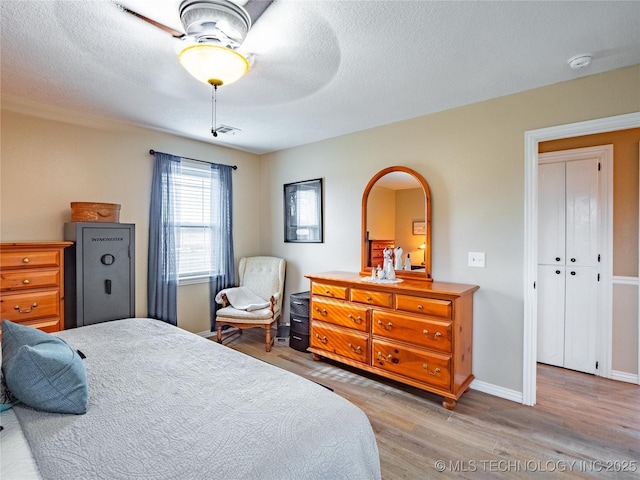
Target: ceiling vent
(227,130)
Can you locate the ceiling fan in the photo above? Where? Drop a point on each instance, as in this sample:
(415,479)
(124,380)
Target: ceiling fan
(213,29)
(218,21)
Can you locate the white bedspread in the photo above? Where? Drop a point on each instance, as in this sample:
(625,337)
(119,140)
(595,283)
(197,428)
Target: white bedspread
(167,404)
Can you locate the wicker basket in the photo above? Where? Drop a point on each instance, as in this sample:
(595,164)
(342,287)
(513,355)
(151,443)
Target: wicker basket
(95,212)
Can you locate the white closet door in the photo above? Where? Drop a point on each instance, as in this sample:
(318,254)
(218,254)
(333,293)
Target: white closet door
(551,214)
(580,318)
(582,212)
(551,312)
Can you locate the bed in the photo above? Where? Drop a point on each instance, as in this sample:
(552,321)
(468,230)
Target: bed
(167,404)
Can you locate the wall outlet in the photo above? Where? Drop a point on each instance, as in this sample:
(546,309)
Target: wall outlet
(476,259)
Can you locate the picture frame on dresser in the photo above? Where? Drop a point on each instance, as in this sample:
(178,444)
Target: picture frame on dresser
(303,212)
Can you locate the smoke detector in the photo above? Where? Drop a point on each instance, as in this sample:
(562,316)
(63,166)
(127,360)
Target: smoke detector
(579,62)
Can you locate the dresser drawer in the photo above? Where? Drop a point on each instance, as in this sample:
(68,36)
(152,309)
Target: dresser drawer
(379,299)
(29,259)
(20,307)
(431,368)
(340,313)
(341,341)
(425,306)
(426,332)
(326,290)
(23,279)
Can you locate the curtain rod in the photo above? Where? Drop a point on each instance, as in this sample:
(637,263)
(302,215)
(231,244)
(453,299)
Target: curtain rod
(152,151)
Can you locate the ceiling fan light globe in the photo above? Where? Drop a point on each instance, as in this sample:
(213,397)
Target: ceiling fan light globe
(213,64)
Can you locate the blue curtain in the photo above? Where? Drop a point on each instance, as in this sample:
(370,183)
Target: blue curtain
(162,275)
(223,257)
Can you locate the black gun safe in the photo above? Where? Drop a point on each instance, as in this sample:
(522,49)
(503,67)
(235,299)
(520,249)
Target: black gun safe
(99,278)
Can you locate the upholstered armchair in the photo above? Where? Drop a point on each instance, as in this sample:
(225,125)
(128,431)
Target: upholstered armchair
(257,301)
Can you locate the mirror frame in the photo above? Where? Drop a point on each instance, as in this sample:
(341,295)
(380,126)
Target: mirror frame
(414,275)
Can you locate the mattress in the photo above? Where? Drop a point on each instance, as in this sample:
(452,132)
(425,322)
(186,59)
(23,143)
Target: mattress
(168,404)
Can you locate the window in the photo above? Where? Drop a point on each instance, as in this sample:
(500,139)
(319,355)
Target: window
(197,220)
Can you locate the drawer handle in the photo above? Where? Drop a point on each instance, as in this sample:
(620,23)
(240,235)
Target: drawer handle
(387,326)
(322,339)
(321,312)
(369,299)
(357,319)
(420,307)
(426,367)
(25,260)
(327,292)
(388,358)
(26,281)
(17,307)
(435,335)
(357,349)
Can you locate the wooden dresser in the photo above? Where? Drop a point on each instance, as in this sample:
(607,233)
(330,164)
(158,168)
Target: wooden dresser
(32,284)
(415,332)
(376,248)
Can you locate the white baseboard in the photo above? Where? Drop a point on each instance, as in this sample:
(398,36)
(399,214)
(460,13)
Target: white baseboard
(497,391)
(625,377)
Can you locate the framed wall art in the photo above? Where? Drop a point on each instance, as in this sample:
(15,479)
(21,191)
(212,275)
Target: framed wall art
(419,228)
(303,211)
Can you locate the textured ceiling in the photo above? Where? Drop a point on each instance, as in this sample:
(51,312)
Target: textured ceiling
(322,68)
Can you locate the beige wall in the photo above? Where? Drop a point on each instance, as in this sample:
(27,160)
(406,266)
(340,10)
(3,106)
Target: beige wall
(381,214)
(473,159)
(46,163)
(409,209)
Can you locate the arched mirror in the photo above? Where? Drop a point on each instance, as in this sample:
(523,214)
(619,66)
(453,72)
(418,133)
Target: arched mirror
(396,212)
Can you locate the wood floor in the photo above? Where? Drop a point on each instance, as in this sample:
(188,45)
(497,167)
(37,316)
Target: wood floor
(582,426)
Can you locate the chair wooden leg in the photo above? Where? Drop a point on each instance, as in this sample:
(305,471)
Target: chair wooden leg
(268,329)
(219,336)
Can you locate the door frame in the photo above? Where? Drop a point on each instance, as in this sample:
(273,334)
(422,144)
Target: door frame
(531,140)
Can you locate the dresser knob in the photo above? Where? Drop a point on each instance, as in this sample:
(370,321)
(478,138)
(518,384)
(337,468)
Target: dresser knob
(327,292)
(420,307)
(26,281)
(25,260)
(369,299)
(322,339)
(357,349)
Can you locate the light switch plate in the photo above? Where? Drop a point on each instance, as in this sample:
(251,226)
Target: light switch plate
(476,259)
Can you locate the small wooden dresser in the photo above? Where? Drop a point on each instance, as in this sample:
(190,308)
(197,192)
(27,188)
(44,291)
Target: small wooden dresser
(32,284)
(376,247)
(415,332)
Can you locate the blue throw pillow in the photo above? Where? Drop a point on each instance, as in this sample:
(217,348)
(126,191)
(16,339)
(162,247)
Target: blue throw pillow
(42,370)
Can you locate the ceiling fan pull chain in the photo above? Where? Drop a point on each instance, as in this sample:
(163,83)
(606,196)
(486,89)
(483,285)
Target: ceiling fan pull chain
(214,90)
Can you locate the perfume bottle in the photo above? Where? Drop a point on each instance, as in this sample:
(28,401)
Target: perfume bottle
(407,262)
